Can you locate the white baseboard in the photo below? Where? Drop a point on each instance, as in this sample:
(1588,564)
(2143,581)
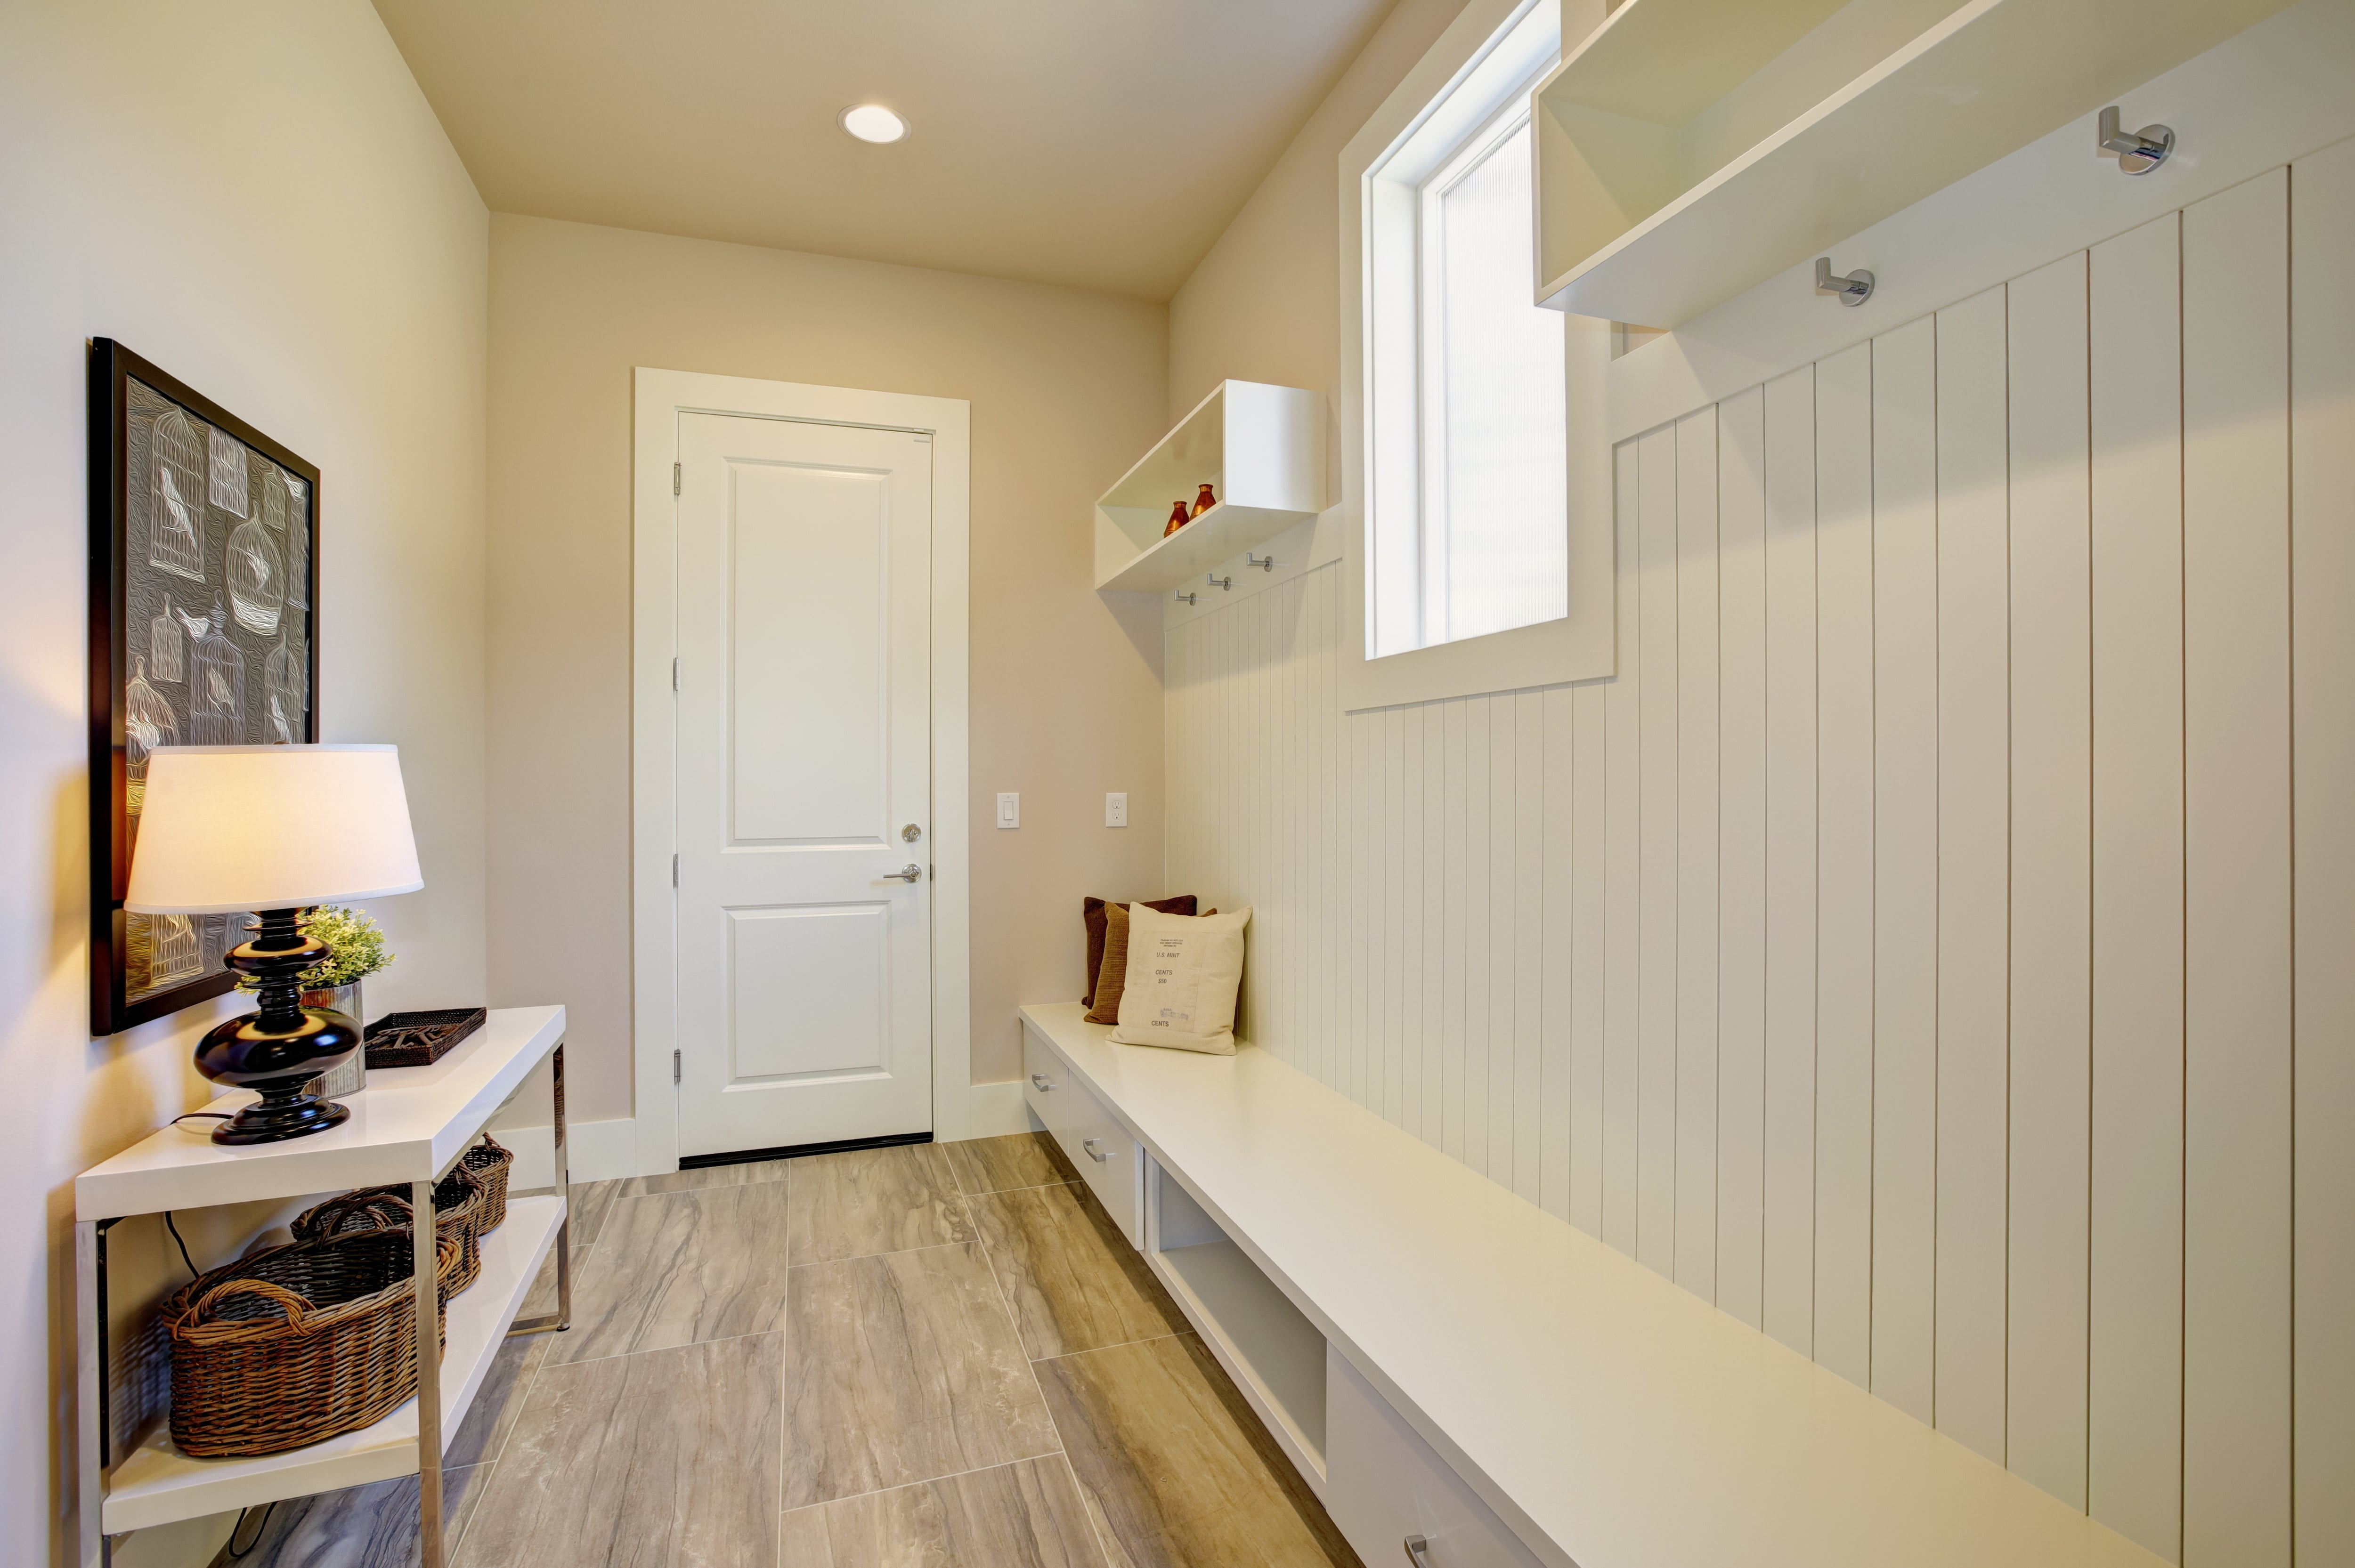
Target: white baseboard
(997,1110)
(600,1150)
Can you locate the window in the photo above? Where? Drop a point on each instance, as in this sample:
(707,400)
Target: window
(1467,484)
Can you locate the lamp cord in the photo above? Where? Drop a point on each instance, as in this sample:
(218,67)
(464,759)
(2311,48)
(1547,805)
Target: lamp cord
(234,1555)
(183,1245)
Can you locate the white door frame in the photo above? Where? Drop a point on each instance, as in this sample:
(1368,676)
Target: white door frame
(661,395)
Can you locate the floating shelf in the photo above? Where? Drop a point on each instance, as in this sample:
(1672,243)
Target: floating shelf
(157,1483)
(1692,149)
(1261,449)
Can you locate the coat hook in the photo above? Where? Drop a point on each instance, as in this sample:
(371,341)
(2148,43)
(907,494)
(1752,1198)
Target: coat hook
(1266,564)
(1853,290)
(2138,153)
(1226,583)
(1185,598)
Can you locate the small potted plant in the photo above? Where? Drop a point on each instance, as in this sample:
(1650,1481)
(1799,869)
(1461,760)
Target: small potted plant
(356,949)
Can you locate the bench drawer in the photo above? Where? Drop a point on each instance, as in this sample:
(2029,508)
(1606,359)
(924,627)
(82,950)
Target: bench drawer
(1383,1485)
(1106,1157)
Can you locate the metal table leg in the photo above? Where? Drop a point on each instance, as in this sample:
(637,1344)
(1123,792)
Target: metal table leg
(428,1339)
(561,1319)
(93,1395)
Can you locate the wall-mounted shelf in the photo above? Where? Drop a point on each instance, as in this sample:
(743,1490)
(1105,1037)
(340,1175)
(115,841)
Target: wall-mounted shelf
(1262,450)
(1692,149)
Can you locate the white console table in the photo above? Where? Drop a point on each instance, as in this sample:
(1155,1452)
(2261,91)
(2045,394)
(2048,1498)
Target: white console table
(410,1124)
(1459,1374)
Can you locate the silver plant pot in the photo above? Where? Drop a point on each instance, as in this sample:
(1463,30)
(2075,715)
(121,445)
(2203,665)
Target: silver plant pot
(348,1076)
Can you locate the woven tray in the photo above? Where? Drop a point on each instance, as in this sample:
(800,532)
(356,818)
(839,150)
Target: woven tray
(297,1343)
(419,1038)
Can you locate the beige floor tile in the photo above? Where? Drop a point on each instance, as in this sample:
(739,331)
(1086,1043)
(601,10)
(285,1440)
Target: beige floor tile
(1074,1282)
(591,1202)
(1024,1515)
(669,1458)
(1175,1467)
(903,1367)
(541,1298)
(680,1269)
(748,1173)
(1001,1165)
(869,1200)
(373,1526)
(492,1417)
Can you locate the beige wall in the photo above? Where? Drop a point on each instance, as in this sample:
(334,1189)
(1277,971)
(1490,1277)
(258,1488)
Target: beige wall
(1067,390)
(254,195)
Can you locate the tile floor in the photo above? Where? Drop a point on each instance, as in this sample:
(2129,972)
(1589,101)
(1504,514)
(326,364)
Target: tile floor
(941,1356)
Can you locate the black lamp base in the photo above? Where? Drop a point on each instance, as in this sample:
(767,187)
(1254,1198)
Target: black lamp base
(280,1048)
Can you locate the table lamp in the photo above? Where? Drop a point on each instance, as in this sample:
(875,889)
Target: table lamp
(273,830)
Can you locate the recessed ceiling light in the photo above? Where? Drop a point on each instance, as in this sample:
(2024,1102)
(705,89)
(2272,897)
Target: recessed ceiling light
(873,122)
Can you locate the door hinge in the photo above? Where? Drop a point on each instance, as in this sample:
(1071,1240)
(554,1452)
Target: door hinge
(674,477)
(673,674)
(673,870)
(674,1066)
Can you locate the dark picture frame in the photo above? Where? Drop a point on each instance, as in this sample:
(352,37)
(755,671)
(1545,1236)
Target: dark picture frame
(204,607)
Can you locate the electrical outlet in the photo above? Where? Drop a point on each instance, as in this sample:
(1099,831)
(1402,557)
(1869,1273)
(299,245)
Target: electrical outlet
(1116,809)
(1009,811)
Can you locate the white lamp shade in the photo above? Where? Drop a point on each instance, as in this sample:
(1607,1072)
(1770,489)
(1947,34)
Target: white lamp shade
(233,828)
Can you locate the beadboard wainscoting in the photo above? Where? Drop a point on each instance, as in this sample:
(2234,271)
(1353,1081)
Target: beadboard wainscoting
(1914,949)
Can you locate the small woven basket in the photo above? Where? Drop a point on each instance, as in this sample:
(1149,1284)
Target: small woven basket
(490,1161)
(460,1201)
(297,1343)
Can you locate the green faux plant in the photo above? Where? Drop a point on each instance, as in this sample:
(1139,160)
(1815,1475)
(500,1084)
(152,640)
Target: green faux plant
(359,948)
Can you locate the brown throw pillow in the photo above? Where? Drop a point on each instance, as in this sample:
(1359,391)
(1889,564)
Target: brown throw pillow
(1092,913)
(1112,980)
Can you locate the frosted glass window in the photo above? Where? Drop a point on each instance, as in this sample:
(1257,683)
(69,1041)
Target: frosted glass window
(1496,542)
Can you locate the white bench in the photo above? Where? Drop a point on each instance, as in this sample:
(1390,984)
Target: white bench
(1445,1361)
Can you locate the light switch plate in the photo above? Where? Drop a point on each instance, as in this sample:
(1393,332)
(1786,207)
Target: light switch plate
(1009,811)
(1116,809)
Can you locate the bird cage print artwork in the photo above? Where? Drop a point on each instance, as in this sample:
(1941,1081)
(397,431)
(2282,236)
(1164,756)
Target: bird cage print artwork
(257,577)
(176,506)
(167,645)
(195,496)
(215,686)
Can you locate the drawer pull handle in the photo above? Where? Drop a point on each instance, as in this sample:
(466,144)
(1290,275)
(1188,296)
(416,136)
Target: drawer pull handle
(1418,1551)
(1098,1155)
(1039,1079)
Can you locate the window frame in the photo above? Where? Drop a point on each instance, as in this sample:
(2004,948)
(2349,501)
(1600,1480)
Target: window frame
(1445,102)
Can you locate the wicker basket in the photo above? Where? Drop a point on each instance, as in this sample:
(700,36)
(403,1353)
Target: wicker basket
(297,1343)
(490,1161)
(460,1201)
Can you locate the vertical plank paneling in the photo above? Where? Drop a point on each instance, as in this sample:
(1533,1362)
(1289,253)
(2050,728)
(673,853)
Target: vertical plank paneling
(1843,1321)
(1504,893)
(2236,799)
(2051,699)
(1529,941)
(1407,917)
(1559,822)
(1742,856)
(1433,912)
(1622,869)
(1477,936)
(2322,616)
(1787,1226)
(1973,887)
(1656,1132)
(1391,853)
(1452,1048)
(1696,796)
(1589,943)
(2135,1440)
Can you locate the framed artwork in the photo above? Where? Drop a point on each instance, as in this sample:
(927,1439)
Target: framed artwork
(204,593)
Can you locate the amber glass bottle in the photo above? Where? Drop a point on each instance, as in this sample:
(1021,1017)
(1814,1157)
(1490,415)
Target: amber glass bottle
(1178,519)
(1204,501)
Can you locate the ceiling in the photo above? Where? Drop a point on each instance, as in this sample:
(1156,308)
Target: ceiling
(1099,144)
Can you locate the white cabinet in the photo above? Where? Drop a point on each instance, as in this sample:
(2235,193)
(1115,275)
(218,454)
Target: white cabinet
(1261,451)
(1091,1139)
(1385,1488)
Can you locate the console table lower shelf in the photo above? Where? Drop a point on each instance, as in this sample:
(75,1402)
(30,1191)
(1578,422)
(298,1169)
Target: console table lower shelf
(157,1483)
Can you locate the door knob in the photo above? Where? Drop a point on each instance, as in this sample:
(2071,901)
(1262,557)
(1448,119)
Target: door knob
(910,833)
(911,872)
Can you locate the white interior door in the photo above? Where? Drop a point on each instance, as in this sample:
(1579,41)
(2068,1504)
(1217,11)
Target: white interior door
(804,709)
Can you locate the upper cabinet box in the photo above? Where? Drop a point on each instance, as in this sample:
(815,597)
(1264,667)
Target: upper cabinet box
(1690,149)
(1261,451)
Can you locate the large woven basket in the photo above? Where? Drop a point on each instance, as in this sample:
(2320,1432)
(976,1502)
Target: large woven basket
(490,1161)
(297,1343)
(461,1201)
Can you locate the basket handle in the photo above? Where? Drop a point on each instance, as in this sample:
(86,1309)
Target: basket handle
(382,1209)
(297,1309)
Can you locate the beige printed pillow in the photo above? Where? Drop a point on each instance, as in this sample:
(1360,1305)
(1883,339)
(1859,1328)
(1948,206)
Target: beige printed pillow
(1182,978)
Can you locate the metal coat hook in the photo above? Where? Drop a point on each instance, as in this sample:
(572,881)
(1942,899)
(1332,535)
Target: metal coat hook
(1226,583)
(2136,152)
(1185,598)
(1853,289)
(1265,565)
